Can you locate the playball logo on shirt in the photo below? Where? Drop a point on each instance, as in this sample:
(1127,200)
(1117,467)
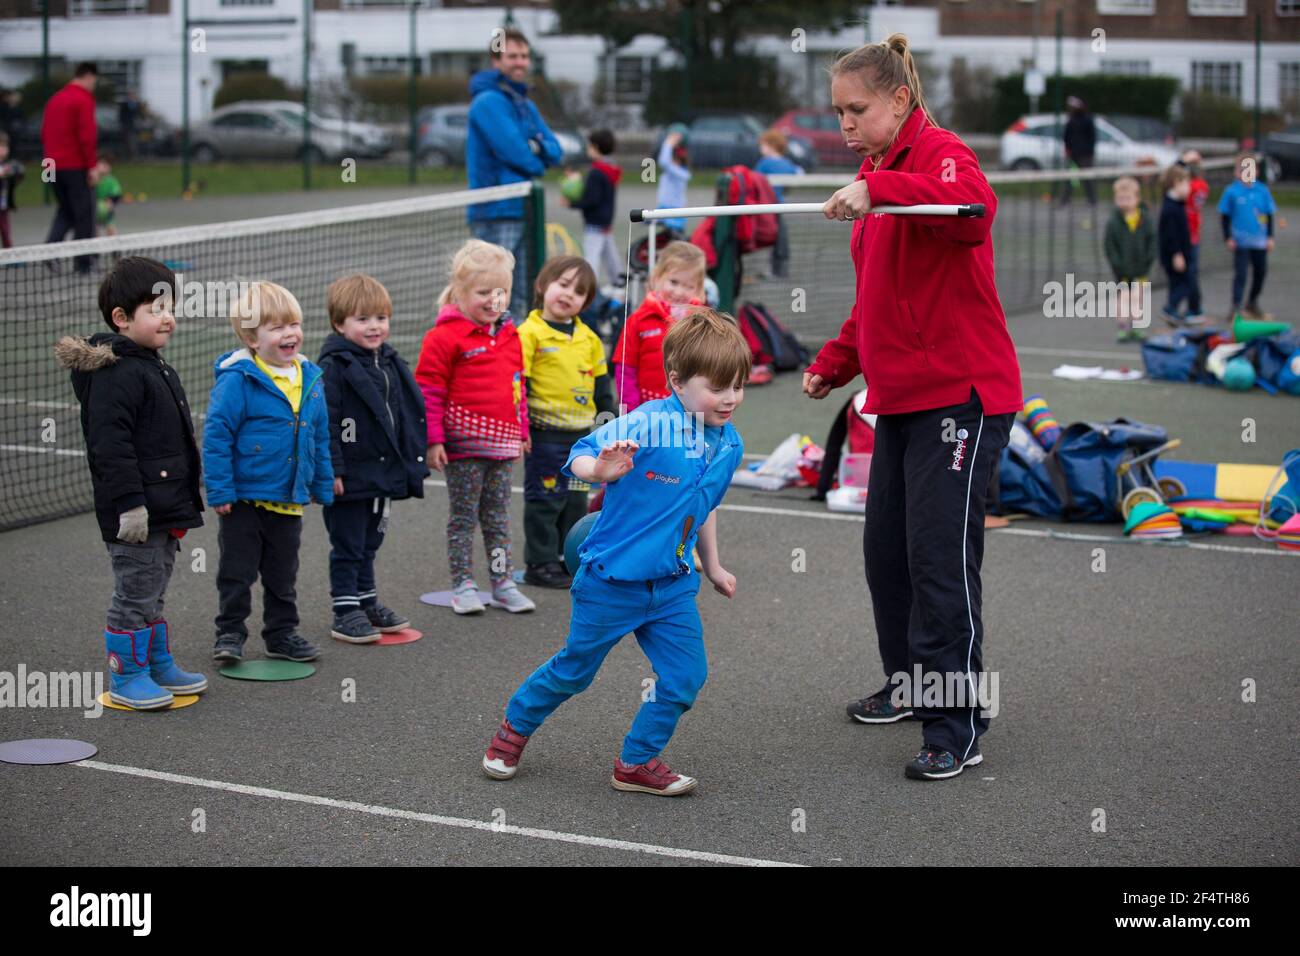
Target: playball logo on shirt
(662,478)
(959,450)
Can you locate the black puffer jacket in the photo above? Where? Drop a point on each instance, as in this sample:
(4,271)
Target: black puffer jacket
(139,437)
(377,430)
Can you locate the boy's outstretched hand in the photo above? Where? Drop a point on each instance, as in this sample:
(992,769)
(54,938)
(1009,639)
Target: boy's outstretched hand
(615,460)
(724,582)
(814,386)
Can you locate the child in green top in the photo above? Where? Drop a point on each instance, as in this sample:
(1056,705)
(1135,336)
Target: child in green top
(108,193)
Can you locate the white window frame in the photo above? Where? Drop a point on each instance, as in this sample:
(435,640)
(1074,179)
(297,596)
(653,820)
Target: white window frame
(96,8)
(106,71)
(1126,8)
(1125,67)
(1288,8)
(1234,71)
(1216,8)
(1288,80)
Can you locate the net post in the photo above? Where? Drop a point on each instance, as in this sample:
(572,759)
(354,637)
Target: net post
(535,241)
(724,241)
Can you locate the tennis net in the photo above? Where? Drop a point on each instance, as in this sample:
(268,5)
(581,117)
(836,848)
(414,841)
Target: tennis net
(406,244)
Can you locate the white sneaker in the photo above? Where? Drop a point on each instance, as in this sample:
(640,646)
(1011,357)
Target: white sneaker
(465,599)
(507,594)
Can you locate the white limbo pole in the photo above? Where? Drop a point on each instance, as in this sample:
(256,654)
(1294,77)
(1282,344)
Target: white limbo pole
(973,210)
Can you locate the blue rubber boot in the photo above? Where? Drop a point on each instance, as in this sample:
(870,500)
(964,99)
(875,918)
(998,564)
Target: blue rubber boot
(163,669)
(129,683)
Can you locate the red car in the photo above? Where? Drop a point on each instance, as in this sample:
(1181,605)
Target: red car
(822,129)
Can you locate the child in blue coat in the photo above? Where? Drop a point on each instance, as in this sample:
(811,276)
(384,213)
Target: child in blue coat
(266,454)
(636,574)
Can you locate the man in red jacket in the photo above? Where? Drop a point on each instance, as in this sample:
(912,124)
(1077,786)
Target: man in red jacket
(68,137)
(928,334)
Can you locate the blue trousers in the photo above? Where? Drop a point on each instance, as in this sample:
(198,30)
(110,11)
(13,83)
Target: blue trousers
(1244,260)
(663,615)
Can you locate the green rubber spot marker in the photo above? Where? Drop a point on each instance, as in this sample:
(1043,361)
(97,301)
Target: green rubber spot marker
(268,670)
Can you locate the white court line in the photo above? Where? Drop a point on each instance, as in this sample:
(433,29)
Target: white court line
(1024,532)
(462,823)
(38,450)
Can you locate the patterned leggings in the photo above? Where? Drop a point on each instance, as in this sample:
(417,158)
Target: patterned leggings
(480,491)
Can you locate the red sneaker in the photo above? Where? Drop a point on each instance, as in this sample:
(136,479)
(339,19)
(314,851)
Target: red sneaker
(654,776)
(501,762)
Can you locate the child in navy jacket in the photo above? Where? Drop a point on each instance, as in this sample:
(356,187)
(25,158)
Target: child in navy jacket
(1175,240)
(377,445)
(266,453)
(597,205)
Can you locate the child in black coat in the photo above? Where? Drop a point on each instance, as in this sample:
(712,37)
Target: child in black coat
(144,467)
(377,443)
(596,203)
(1175,241)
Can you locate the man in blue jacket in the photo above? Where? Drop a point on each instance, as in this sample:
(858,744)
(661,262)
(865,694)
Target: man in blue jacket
(508,143)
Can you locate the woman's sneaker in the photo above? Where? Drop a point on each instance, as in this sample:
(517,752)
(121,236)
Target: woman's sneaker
(501,762)
(229,647)
(354,627)
(507,595)
(653,776)
(878,709)
(934,763)
(386,619)
(465,599)
(292,648)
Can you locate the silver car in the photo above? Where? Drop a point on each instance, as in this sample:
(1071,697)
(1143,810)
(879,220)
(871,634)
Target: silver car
(273,130)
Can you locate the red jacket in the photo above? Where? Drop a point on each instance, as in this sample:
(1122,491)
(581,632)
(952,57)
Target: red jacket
(1195,202)
(641,354)
(68,133)
(472,379)
(926,324)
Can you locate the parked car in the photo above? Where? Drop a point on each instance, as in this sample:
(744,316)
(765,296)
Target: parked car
(273,130)
(1283,151)
(822,129)
(441,132)
(154,136)
(728,139)
(1035,142)
(1143,129)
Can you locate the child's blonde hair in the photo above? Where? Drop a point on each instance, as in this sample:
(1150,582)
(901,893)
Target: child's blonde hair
(476,258)
(774,139)
(680,256)
(357,294)
(1125,184)
(708,343)
(262,303)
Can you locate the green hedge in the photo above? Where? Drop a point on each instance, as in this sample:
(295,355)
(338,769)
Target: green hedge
(254,86)
(1103,92)
(747,84)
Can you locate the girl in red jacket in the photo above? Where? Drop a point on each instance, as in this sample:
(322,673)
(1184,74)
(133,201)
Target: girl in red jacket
(929,336)
(471,372)
(676,285)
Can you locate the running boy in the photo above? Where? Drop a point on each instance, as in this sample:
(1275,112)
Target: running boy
(266,453)
(377,432)
(666,468)
(565,375)
(144,466)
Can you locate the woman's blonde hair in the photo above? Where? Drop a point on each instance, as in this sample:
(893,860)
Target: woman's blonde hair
(886,66)
(477,258)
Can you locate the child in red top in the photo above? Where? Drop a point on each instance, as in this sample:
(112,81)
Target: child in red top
(676,285)
(471,373)
(1191,159)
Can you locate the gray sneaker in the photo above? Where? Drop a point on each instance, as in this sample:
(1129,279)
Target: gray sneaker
(353,627)
(465,599)
(507,594)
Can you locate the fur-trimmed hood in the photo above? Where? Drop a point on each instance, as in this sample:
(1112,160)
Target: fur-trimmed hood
(80,354)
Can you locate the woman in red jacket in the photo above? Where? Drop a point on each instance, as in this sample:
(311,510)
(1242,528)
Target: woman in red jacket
(929,336)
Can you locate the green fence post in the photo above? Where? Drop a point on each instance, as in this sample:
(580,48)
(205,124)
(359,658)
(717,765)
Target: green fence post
(536,241)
